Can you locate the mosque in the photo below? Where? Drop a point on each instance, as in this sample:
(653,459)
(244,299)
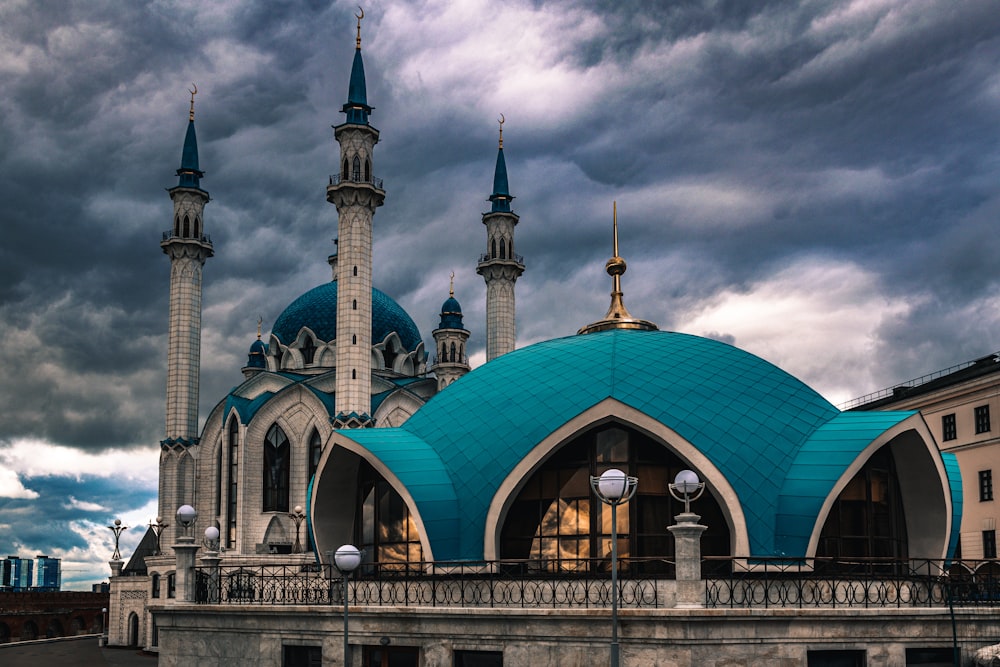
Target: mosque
(346,429)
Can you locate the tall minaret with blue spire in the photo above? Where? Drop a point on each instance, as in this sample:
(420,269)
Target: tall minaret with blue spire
(187,246)
(356,193)
(500,266)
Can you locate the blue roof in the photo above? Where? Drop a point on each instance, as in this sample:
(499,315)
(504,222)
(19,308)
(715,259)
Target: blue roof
(451,314)
(501,191)
(357,108)
(189,176)
(756,423)
(317,309)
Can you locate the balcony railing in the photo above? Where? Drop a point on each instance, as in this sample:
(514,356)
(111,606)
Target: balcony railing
(337,179)
(643,583)
(203,238)
(490,257)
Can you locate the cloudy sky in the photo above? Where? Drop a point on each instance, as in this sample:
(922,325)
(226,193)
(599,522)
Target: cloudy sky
(817,182)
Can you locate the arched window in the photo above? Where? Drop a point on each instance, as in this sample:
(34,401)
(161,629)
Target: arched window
(368,171)
(197,227)
(315,452)
(232,482)
(354,304)
(308,350)
(556,522)
(866,520)
(503,249)
(177,226)
(155,582)
(276,465)
(383,525)
(444,351)
(493,249)
(354,340)
(356,169)
(218,480)
(452,358)
(354,374)
(344,174)
(172,585)
(187,227)
(355,270)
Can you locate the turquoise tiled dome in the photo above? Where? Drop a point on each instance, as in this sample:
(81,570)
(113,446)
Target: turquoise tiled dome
(756,424)
(317,309)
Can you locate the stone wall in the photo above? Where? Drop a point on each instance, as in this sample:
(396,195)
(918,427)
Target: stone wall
(251,636)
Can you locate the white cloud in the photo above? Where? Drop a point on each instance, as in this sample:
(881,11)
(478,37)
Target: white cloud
(11,486)
(818,319)
(84,505)
(36,458)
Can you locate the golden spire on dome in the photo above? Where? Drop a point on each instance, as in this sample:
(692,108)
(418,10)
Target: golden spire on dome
(260,321)
(193,93)
(501,120)
(617,316)
(359,17)
(451,288)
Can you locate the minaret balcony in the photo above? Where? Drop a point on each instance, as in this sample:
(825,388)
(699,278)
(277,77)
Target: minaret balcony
(337,179)
(204,239)
(490,257)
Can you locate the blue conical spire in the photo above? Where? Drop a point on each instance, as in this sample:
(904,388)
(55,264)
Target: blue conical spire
(357,108)
(501,191)
(189,174)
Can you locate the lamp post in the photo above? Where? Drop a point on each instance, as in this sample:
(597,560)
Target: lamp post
(157,527)
(614,488)
(298,516)
(347,559)
(687,541)
(117,528)
(185,549)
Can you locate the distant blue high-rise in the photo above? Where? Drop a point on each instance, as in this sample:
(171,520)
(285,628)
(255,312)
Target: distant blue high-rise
(16,573)
(48,573)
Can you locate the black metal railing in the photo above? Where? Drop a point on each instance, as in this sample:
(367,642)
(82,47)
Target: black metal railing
(201,238)
(819,582)
(729,582)
(568,584)
(511,257)
(337,179)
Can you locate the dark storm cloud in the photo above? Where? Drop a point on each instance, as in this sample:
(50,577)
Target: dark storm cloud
(739,138)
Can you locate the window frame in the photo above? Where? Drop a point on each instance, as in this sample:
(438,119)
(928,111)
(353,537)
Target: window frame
(982,418)
(986,485)
(949,427)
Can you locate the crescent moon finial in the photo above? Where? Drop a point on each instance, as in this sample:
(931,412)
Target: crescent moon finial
(260,321)
(359,17)
(451,288)
(501,120)
(193,93)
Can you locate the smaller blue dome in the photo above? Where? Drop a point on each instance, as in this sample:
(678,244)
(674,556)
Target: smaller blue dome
(451,314)
(258,352)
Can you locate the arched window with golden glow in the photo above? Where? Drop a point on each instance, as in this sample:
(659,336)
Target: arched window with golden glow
(556,524)
(383,525)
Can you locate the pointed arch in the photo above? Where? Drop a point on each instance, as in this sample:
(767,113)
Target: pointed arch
(177,225)
(232,479)
(346,172)
(187,227)
(452,356)
(493,248)
(368,170)
(277,457)
(197,227)
(356,169)
(503,249)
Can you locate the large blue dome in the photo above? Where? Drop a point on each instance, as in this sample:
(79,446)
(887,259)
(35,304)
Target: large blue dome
(317,309)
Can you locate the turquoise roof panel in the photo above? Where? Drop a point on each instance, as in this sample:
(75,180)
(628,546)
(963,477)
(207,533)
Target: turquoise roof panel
(818,464)
(955,482)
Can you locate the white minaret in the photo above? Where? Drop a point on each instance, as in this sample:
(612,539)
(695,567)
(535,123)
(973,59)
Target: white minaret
(187,246)
(450,337)
(356,194)
(500,266)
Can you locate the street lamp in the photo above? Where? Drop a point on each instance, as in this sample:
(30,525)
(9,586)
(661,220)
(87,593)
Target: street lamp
(117,528)
(157,528)
(614,488)
(298,516)
(347,558)
(687,487)
(211,541)
(186,516)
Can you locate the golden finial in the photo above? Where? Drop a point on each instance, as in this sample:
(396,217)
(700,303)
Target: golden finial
(451,288)
(260,321)
(193,93)
(501,119)
(617,316)
(359,17)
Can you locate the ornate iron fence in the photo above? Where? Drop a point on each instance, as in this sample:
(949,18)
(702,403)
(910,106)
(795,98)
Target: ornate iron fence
(644,583)
(859,583)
